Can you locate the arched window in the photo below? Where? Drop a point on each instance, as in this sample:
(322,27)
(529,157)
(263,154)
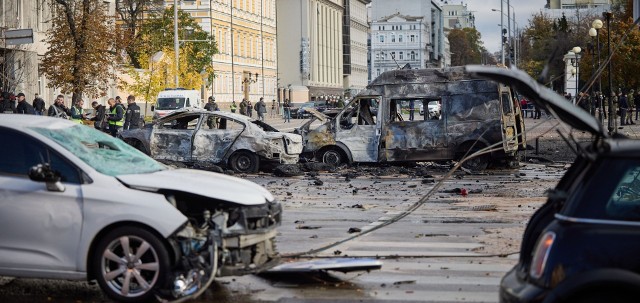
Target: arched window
(393,38)
(413,55)
(399,38)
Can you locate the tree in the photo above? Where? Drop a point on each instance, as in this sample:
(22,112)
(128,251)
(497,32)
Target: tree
(466,46)
(131,12)
(82,53)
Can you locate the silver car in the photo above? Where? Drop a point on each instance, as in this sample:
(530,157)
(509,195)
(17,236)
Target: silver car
(78,204)
(196,135)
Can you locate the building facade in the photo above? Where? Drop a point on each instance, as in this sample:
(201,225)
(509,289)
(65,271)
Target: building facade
(245,33)
(457,16)
(580,4)
(406,32)
(355,33)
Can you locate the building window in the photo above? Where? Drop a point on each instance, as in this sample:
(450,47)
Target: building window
(413,55)
(381,38)
(393,55)
(412,38)
(378,72)
(400,27)
(400,38)
(393,38)
(401,56)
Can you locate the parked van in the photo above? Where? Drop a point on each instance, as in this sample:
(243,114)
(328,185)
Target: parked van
(170,100)
(384,122)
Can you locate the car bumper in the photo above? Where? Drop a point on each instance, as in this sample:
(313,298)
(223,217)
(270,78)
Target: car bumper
(513,289)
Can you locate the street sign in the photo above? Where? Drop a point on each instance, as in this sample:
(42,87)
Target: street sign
(18,36)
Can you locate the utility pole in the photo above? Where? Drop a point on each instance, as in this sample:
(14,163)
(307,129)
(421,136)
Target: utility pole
(501,29)
(176,45)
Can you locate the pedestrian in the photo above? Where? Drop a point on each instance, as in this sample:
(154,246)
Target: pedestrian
(280,110)
(624,106)
(243,107)
(273,108)
(132,114)
(116,117)
(233,106)
(77,112)
(119,102)
(249,109)
(211,105)
(631,106)
(23,106)
(411,109)
(58,109)
(261,109)
(636,98)
(8,105)
(100,117)
(39,105)
(287,111)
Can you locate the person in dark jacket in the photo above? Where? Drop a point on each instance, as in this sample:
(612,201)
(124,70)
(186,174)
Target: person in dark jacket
(623,106)
(211,105)
(57,109)
(39,105)
(249,108)
(23,106)
(116,117)
(8,105)
(261,109)
(132,115)
(100,118)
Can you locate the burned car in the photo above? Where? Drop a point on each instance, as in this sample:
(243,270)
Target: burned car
(582,245)
(383,123)
(77,204)
(195,135)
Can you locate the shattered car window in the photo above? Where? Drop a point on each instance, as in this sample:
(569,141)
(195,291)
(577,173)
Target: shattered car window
(476,107)
(359,112)
(264,126)
(170,103)
(104,153)
(189,122)
(624,203)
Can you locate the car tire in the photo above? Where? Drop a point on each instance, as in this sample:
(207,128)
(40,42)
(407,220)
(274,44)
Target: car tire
(133,276)
(332,156)
(244,162)
(477,163)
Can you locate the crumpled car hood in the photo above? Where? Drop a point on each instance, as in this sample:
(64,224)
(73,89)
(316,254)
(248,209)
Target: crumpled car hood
(207,184)
(543,97)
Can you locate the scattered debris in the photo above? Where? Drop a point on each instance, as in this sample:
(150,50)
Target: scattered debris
(354,230)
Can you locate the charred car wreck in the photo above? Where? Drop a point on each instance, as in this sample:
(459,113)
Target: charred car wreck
(384,123)
(199,136)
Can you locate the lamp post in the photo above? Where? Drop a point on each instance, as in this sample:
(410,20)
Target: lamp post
(575,62)
(508,39)
(610,125)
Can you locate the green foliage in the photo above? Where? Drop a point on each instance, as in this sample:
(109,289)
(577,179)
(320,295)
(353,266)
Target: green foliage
(466,46)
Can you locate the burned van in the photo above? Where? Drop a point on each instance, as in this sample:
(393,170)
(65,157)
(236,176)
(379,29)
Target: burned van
(388,122)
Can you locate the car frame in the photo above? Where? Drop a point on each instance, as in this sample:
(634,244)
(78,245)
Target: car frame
(77,204)
(217,137)
(582,244)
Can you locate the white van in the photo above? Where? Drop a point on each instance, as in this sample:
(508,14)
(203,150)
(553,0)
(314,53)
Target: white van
(170,100)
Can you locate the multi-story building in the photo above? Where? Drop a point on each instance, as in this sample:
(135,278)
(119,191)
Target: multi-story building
(457,16)
(355,31)
(406,32)
(580,4)
(245,32)
(310,49)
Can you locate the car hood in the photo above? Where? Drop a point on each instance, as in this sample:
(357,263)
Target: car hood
(203,183)
(542,96)
(314,112)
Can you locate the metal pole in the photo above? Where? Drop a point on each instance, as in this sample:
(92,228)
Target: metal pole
(577,78)
(212,37)
(262,44)
(176,46)
(233,72)
(610,126)
(509,21)
(501,28)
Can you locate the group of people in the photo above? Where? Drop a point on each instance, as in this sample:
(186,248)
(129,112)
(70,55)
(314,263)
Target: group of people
(624,105)
(112,120)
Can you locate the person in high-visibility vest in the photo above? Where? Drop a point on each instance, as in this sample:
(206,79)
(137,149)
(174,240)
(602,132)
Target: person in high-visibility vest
(116,117)
(77,114)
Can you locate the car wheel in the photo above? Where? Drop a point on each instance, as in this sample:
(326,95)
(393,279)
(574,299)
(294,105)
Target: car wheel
(131,264)
(244,162)
(332,156)
(477,163)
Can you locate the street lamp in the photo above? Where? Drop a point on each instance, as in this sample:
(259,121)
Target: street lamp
(249,80)
(610,125)
(575,62)
(508,39)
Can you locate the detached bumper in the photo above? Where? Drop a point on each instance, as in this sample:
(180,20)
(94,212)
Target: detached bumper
(515,290)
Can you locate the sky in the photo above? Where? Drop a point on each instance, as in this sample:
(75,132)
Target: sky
(487,21)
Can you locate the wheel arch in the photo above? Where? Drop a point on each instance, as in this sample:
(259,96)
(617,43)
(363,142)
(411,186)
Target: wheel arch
(171,249)
(340,146)
(608,280)
(135,142)
(467,145)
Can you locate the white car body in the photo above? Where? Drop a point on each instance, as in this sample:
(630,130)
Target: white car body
(54,229)
(182,98)
(434,108)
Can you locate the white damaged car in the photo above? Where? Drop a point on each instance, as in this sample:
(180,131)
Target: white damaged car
(77,204)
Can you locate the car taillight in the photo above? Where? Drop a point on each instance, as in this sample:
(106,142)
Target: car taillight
(541,254)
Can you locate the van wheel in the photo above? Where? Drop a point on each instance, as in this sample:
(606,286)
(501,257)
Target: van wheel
(332,156)
(477,163)
(244,162)
(131,264)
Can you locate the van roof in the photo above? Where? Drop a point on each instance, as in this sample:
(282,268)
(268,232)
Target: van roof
(427,75)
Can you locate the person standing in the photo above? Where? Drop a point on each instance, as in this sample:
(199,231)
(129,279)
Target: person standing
(39,105)
(631,106)
(57,109)
(233,106)
(273,108)
(211,105)
(23,106)
(132,114)
(261,109)
(287,111)
(116,117)
(100,118)
(411,109)
(249,109)
(77,112)
(243,107)
(8,105)
(119,102)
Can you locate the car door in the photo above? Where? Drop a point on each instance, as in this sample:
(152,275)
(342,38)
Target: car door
(39,229)
(172,138)
(509,123)
(215,137)
(358,129)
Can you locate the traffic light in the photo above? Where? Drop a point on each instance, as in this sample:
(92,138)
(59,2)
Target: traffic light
(504,35)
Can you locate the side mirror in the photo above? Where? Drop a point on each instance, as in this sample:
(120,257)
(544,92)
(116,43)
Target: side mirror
(153,107)
(44,173)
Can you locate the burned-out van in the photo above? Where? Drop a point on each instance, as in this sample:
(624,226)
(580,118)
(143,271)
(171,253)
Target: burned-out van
(384,123)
